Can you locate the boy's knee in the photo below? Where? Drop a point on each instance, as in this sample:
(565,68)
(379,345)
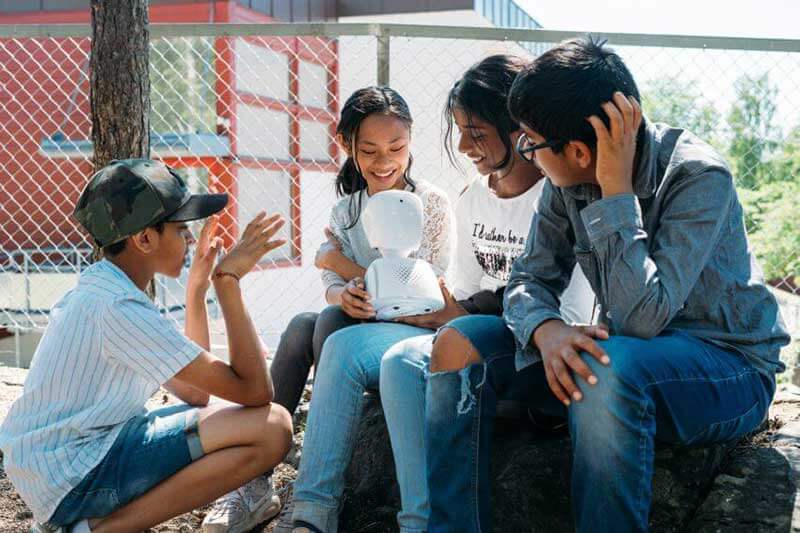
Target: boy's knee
(276,434)
(452,351)
(628,366)
(279,423)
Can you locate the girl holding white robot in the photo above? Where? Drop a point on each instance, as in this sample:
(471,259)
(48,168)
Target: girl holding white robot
(374,131)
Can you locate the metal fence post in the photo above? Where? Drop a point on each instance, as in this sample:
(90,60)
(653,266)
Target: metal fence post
(383,56)
(17,349)
(25,268)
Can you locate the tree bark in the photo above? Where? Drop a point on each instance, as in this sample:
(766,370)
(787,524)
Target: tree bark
(120,80)
(119,89)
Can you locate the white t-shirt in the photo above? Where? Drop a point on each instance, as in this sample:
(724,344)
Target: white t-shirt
(105,352)
(491,233)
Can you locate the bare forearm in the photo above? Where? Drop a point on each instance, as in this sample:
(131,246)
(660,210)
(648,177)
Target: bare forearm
(196,326)
(345,267)
(244,347)
(187,393)
(196,329)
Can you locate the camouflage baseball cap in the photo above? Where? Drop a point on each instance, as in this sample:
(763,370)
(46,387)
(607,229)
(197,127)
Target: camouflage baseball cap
(130,195)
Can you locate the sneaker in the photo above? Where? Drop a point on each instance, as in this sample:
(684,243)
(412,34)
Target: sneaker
(244,508)
(81,526)
(284,522)
(38,527)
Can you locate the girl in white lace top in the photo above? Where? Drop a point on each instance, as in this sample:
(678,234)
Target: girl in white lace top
(374,130)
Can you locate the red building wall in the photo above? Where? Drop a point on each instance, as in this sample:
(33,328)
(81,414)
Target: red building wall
(44,90)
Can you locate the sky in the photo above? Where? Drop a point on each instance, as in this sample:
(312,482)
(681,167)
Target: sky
(712,73)
(737,18)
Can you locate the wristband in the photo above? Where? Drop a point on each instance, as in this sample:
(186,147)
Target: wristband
(221,274)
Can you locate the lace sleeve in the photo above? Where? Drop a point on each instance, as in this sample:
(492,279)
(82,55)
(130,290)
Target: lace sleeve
(437,231)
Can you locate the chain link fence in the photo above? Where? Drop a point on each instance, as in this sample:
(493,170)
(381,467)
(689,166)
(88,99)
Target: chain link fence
(251,110)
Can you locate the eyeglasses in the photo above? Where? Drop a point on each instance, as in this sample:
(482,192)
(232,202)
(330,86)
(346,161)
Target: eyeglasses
(526,150)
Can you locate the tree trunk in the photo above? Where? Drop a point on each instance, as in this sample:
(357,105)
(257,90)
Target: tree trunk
(120,82)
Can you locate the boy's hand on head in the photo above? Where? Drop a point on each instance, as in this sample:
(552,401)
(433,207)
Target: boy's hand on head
(560,346)
(451,310)
(255,242)
(616,145)
(355,300)
(206,250)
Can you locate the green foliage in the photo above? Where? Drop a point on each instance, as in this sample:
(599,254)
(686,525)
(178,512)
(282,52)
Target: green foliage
(675,102)
(754,133)
(765,165)
(774,229)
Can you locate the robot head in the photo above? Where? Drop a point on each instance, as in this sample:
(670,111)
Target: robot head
(393,222)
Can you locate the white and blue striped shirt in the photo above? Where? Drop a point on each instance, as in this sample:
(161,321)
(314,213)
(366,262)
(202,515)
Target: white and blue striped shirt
(105,352)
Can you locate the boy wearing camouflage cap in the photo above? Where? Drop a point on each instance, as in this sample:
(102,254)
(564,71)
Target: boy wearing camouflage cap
(78,444)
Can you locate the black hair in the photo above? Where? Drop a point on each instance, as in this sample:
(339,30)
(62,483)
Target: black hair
(556,93)
(361,104)
(483,92)
(118,247)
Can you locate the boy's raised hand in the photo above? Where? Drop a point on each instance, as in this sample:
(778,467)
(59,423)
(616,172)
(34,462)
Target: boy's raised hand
(616,145)
(206,250)
(256,240)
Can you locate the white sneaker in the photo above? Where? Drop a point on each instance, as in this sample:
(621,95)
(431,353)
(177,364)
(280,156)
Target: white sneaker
(38,527)
(244,508)
(81,526)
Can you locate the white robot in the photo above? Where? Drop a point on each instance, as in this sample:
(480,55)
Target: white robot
(399,286)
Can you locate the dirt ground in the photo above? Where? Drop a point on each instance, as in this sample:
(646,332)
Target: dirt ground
(15,516)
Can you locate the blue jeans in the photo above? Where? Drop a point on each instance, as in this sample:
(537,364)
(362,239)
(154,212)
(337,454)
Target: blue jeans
(403,375)
(150,448)
(349,365)
(674,388)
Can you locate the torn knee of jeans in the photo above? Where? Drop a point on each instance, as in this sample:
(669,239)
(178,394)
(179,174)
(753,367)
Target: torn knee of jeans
(468,400)
(468,353)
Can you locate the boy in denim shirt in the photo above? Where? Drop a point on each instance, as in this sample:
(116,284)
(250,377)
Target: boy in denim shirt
(689,339)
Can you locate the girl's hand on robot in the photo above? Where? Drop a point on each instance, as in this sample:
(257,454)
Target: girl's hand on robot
(355,300)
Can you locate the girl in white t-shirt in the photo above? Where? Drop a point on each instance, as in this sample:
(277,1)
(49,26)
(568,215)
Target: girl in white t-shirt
(493,217)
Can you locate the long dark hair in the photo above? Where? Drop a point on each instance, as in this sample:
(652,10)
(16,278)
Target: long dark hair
(483,92)
(362,103)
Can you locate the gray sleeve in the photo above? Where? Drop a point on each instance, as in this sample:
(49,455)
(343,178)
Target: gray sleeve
(337,225)
(644,290)
(540,275)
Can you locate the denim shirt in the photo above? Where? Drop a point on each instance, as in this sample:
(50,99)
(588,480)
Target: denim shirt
(672,255)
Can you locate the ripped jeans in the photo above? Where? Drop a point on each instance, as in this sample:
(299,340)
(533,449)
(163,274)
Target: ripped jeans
(672,388)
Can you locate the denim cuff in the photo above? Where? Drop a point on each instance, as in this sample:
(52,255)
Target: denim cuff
(192,433)
(609,215)
(322,517)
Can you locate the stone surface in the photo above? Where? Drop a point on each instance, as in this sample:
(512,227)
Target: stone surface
(531,474)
